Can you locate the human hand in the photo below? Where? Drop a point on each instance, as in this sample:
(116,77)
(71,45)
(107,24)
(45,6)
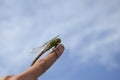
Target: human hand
(39,67)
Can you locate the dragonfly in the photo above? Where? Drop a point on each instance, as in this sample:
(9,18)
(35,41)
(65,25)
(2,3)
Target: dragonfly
(45,47)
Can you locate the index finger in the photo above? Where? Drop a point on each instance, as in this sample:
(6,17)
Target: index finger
(42,65)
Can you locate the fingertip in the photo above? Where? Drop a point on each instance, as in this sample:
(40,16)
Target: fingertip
(59,50)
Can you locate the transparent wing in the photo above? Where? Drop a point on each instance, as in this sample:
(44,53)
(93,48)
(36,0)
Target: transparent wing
(43,47)
(38,49)
(50,41)
(55,38)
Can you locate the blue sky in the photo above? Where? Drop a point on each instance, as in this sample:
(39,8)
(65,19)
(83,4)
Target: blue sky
(90,32)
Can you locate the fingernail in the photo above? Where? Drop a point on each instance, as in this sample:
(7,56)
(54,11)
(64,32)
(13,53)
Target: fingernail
(61,48)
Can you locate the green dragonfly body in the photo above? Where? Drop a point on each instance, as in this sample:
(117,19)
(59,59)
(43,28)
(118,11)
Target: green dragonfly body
(47,46)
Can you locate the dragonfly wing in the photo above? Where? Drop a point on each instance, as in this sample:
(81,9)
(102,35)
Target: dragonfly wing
(43,47)
(35,50)
(54,38)
(47,43)
(38,49)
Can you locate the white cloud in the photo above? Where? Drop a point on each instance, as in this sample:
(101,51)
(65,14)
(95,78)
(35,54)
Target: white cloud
(89,29)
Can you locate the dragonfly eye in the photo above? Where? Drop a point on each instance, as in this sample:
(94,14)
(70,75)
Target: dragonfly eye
(58,40)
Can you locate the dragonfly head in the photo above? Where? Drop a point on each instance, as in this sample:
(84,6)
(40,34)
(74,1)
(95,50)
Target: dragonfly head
(58,40)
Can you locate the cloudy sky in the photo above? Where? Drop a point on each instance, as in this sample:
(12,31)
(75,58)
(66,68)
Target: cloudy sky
(90,32)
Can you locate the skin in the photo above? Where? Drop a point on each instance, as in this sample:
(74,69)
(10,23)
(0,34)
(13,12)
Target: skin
(39,67)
